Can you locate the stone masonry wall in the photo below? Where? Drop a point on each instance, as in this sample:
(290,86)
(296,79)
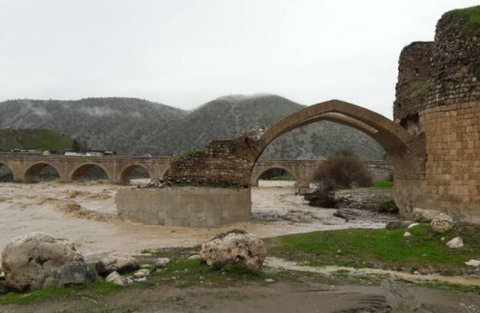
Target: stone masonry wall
(415,73)
(225,162)
(456,58)
(452,178)
(449,114)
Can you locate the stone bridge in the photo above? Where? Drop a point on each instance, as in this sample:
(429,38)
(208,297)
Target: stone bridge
(303,170)
(27,167)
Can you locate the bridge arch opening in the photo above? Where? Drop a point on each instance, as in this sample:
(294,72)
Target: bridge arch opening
(6,174)
(275,177)
(42,171)
(90,172)
(136,174)
(395,140)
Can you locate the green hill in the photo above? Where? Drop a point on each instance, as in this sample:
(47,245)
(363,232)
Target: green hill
(44,139)
(135,127)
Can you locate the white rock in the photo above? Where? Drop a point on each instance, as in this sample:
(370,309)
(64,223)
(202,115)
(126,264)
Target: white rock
(424,215)
(141,273)
(161,262)
(116,263)
(413,225)
(456,242)
(140,279)
(473,262)
(234,247)
(407,234)
(441,223)
(270,280)
(194,257)
(30,259)
(115,278)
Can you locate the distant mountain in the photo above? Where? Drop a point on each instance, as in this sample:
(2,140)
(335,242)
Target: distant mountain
(121,124)
(134,126)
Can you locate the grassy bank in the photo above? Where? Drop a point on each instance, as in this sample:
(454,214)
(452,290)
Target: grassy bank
(380,248)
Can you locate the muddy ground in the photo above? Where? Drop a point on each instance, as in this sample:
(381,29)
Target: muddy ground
(85,214)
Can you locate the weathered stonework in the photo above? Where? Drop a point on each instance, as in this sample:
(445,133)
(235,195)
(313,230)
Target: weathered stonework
(185,206)
(446,115)
(452,180)
(414,84)
(224,162)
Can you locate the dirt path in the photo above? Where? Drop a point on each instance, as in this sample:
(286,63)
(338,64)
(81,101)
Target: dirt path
(85,213)
(276,298)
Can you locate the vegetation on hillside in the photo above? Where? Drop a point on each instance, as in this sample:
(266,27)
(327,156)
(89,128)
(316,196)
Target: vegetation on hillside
(134,126)
(44,139)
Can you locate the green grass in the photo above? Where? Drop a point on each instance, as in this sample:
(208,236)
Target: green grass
(469,15)
(191,154)
(100,287)
(379,248)
(383,185)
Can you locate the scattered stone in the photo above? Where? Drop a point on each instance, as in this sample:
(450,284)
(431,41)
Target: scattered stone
(270,280)
(412,225)
(2,276)
(145,266)
(116,263)
(161,262)
(424,215)
(441,223)
(407,234)
(234,247)
(397,224)
(141,273)
(71,274)
(456,242)
(30,259)
(117,279)
(473,262)
(347,214)
(140,279)
(194,257)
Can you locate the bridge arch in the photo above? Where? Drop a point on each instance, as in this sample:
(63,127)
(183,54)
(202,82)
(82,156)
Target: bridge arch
(395,140)
(32,173)
(256,176)
(79,172)
(6,173)
(406,152)
(127,171)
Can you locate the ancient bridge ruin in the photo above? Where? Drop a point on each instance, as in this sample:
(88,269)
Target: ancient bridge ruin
(433,142)
(119,169)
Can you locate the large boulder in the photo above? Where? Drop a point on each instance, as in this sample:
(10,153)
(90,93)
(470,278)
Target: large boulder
(424,215)
(441,223)
(116,263)
(234,247)
(30,259)
(70,274)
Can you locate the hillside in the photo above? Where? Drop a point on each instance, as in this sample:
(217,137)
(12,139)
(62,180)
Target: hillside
(44,139)
(134,126)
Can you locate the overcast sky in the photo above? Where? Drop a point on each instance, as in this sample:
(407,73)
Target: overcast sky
(186,52)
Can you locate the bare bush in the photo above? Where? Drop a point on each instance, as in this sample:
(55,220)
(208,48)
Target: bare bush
(343,171)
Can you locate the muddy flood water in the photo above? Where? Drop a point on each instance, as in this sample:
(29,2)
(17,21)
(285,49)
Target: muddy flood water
(85,213)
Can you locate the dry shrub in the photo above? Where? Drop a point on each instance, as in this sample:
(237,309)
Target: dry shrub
(343,171)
